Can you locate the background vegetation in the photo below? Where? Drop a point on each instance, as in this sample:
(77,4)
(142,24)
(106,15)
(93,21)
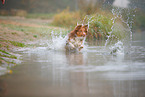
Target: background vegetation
(66,13)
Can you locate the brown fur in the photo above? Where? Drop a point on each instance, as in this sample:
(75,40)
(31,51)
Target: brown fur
(76,37)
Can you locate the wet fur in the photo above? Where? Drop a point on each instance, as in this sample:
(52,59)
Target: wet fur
(76,38)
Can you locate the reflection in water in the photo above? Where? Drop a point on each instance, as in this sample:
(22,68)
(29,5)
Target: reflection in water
(76,58)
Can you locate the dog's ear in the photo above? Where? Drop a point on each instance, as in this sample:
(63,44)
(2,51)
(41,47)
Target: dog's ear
(86,27)
(78,27)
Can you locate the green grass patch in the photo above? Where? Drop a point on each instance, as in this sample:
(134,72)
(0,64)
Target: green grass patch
(13,57)
(1,58)
(14,33)
(3,55)
(15,43)
(4,52)
(18,44)
(4,60)
(8,55)
(35,36)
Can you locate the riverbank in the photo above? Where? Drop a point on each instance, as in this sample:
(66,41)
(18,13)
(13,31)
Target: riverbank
(19,32)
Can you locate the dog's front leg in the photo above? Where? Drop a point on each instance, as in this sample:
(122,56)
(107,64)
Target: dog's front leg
(81,47)
(72,45)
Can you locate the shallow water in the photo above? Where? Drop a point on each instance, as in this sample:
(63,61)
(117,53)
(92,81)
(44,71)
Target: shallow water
(94,72)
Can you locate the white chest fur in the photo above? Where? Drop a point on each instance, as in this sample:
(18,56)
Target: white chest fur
(76,43)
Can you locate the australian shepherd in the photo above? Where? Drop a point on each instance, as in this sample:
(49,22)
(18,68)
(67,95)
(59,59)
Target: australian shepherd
(76,38)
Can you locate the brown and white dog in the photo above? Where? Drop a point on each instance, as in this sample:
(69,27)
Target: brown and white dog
(76,38)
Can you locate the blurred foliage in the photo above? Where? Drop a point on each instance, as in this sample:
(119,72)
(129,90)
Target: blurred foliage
(139,23)
(13,12)
(139,6)
(38,6)
(97,13)
(66,18)
(99,25)
(40,15)
(18,12)
(45,9)
(134,17)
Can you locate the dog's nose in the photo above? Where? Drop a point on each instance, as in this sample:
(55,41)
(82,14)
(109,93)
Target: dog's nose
(84,34)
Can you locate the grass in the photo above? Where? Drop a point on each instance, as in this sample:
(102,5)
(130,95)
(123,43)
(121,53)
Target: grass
(6,62)
(6,55)
(31,30)
(18,44)
(4,52)
(24,32)
(14,43)
(24,28)
(30,33)
(35,36)
(14,33)
(10,56)
(40,15)
(13,57)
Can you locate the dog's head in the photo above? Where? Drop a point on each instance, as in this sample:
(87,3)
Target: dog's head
(81,30)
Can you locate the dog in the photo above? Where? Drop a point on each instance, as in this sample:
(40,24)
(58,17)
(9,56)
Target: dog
(76,38)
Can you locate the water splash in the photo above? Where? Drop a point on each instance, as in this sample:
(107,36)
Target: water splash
(117,48)
(57,41)
(125,16)
(112,28)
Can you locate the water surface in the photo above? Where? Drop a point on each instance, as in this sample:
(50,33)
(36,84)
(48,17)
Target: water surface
(94,72)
